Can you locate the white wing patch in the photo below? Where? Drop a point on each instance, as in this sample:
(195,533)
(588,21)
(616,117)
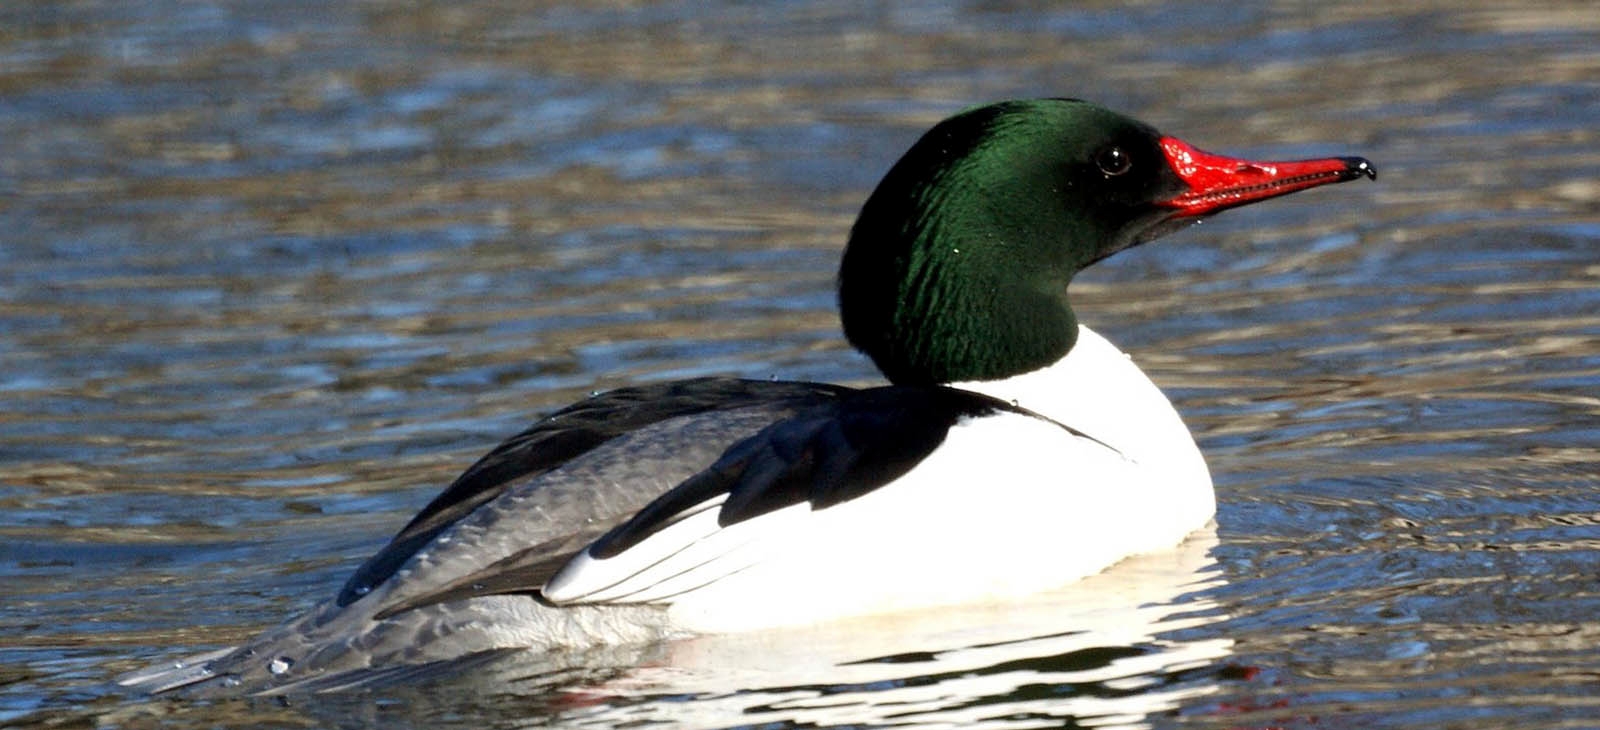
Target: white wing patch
(687,554)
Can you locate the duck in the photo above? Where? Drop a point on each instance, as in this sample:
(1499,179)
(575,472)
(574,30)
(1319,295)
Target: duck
(1011,450)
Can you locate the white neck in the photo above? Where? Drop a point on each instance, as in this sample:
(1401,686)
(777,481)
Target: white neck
(1097,390)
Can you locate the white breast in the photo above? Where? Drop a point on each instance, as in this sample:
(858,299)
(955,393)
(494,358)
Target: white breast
(1098,390)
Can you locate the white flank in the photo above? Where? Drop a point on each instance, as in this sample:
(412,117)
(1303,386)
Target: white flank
(1008,505)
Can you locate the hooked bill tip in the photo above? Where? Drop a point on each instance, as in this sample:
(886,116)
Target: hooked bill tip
(1359,166)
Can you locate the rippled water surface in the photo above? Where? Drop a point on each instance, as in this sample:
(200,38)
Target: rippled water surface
(272,273)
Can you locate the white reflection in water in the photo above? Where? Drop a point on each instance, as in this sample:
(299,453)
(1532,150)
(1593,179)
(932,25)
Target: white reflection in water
(1098,652)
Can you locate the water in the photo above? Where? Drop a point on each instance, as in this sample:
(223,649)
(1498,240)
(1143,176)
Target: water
(270,275)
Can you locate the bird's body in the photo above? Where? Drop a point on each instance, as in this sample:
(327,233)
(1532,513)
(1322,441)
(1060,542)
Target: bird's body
(1013,451)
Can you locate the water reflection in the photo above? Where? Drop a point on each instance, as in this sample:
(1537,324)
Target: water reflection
(1111,651)
(1100,653)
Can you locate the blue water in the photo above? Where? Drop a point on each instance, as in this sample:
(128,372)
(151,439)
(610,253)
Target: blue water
(271,274)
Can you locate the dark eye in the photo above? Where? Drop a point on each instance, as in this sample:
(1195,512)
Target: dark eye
(1113,161)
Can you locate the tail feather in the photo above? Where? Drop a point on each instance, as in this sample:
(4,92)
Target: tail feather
(159,678)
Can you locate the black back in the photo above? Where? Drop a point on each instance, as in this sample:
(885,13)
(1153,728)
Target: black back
(559,438)
(838,445)
(830,453)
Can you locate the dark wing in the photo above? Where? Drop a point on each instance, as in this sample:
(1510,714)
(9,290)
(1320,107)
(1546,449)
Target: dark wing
(830,453)
(559,438)
(824,455)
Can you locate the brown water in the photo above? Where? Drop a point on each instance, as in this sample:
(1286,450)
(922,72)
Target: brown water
(272,273)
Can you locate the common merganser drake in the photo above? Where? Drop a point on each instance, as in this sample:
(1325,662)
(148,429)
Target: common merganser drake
(1013,451)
